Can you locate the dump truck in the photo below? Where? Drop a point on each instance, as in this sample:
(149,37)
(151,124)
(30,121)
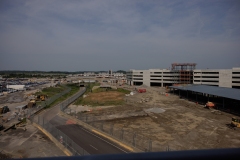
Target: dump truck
(235,122)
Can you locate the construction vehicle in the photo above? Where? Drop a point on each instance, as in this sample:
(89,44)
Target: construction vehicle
(209,105)
(41,97)
(235,122)
(33,101)
(31,104)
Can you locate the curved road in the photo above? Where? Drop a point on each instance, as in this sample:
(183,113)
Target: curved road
(89,141)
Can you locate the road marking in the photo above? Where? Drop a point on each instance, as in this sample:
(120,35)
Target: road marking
(93,147)
(213,131)
(44,154)
(104,140)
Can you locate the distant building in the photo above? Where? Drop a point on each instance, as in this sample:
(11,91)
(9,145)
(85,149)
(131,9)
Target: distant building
(218,77)
(185,74)
(89,74)
(110,72)
(152,77)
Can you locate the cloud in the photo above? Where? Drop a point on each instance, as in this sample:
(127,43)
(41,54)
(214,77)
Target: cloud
(158,32)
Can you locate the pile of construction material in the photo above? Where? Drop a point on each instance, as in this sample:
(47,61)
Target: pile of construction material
(20,112)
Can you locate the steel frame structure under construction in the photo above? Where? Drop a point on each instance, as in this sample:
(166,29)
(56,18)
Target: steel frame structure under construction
(184,66)
(185,72)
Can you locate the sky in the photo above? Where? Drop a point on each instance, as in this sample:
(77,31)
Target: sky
(93,35)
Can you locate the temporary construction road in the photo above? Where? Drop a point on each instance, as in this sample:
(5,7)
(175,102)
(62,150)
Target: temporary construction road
(89,141)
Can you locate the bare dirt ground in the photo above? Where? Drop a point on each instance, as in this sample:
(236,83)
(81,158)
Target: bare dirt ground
(105,96)
(13,100)
(20,143)
(29,143)
(181,125)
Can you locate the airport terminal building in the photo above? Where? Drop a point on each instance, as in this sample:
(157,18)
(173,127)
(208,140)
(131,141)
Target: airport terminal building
(185,73)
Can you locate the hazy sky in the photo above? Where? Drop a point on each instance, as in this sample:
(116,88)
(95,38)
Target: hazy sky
(75,35)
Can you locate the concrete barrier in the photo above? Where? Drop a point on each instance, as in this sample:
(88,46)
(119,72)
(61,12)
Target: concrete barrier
(54,140)
(101,133)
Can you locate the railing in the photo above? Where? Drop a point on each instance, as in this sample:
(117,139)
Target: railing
(210,154)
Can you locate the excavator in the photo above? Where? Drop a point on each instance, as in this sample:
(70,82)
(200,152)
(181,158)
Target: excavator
(235,122)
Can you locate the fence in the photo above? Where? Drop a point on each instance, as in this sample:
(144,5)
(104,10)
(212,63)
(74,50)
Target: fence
(61,137)
(65,103)
(43,104)
(44,122)
(132,138)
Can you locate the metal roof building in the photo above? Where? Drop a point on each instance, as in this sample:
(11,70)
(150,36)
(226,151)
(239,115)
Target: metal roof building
(212,90)
(225,99)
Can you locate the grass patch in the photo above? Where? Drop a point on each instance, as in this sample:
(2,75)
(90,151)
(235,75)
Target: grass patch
(123,91)
(103,97)
(110,89)
(51,91)
(74,89)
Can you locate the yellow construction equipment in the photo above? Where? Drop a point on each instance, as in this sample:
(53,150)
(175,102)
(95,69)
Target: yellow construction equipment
(33,101)
(235,122)
(31,104)
(41,97)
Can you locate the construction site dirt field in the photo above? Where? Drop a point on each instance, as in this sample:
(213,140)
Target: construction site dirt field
(103,98)
(171,122)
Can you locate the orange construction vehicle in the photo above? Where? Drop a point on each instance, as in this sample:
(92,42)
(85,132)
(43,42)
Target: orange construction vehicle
(209,105)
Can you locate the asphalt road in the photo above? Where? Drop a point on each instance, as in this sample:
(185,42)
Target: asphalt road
(89,141)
